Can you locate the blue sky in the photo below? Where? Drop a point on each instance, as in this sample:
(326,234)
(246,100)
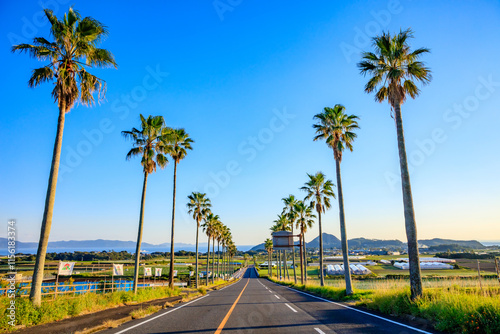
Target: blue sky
(245,80)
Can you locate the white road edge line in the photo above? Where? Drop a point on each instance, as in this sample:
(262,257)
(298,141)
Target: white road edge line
(276,296)
(354,309)
(161,315)
(319,331)
(291,308)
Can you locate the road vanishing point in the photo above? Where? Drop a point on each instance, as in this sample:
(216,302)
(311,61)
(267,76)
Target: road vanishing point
(256,305)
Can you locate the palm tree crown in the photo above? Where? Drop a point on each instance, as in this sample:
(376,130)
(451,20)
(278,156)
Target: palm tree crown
(147,143)
(281,224)
(73,50)
(305,216)
(319,191)
(336,128)
(177,142)
(394,68)
(198,206)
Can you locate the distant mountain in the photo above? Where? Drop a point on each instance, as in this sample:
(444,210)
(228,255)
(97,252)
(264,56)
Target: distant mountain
(474,244)
(331,241)
(101,244)
(374,243)
(258,247)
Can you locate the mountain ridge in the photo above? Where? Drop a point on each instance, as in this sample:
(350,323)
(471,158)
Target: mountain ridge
(331,241)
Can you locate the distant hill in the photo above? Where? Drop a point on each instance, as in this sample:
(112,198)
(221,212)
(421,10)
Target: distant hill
(101,244)
(258,247)
(331,241)
(374,243)
(474,244)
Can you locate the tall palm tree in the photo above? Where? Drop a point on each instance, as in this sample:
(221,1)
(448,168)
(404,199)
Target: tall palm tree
(303,223)
(268,245)
(199,206)
(177,142)
(225,240)
(208,228)
(319,192)
(147,145)
(289,210)
(394,69)
(221,237)
(215,233)
(73,50)
(337,129)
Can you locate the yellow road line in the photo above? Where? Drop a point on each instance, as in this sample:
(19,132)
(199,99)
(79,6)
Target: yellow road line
(223,323)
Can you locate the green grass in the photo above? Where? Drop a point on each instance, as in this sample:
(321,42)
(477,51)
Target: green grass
(66,306)
(456,308)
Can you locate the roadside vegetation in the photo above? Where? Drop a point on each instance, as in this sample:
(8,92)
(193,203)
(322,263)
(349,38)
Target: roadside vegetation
(455,309)
(64,307)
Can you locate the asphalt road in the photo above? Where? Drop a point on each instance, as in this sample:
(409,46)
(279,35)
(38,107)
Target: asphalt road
(255,305)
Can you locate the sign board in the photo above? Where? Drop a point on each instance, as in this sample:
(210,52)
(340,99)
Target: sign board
(65,268)
(147,271)
(283,240)
(158,272)
(175,273)
(118,269)
(191,273)
(201,275)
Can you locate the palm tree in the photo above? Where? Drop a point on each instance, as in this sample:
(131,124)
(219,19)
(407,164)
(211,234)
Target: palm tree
(319,192)
(289,210)
(304,221)
(198,205)
(147,144)
(337,128)
(268,245)
(225,240)
(73,50)
(177,142)
(395,69)
(208,228)
(215,233)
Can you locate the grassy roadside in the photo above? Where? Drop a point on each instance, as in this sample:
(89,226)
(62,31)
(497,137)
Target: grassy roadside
(71,306)
(454,309)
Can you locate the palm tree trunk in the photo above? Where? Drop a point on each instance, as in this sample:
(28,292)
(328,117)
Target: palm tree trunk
(213,259)
(343,233)
(218,259)
(139,234)
(208,257)
(410,223)
(301,264)
(171,276)
(321,276)
(36,284)
(305,258)
(293,260)
(196,265)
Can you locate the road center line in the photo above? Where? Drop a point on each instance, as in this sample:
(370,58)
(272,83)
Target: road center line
(291,308)
(223,323)
(276,296)
(161,315)
(319,331)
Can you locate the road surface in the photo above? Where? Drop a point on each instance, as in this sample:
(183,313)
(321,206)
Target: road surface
(255,305)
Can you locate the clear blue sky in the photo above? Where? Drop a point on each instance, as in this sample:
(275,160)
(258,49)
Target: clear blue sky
(231,71)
